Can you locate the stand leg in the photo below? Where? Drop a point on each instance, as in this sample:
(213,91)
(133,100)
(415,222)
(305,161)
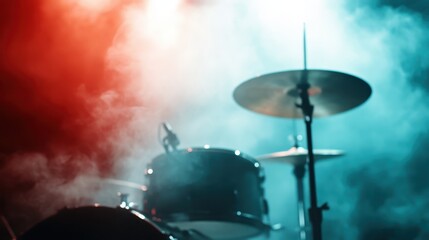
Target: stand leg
(299,172)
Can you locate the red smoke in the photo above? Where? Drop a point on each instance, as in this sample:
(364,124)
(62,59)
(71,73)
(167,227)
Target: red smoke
(55,89)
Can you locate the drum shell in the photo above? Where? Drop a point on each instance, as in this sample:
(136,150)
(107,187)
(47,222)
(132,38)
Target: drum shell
(209,185)
(92,223)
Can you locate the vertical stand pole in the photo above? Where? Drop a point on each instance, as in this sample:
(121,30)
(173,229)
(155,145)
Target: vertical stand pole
(315,212)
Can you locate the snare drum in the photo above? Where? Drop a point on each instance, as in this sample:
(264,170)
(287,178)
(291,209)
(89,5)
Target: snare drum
(93,223)
(216,192)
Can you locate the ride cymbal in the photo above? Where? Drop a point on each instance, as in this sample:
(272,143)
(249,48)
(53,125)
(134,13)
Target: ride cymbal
(298,156)
(276,94)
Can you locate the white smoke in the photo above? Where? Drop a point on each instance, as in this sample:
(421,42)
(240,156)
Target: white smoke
(188,58)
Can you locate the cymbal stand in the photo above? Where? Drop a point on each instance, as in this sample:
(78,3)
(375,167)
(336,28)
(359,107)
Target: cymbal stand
(315,212)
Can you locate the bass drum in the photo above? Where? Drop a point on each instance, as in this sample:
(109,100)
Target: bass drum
(94,223)
(216,192)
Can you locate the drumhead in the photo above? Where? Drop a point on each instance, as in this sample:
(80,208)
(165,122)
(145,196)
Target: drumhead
(94,223)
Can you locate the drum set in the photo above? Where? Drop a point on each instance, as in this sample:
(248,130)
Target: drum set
(211,193)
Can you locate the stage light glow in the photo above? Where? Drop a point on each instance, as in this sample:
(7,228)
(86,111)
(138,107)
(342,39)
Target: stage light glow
(162,20)
(93,5)
(286,12)
(162,7)
(282,23)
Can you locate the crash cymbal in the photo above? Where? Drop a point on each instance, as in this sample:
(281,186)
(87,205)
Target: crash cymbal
(276,94)
(298,156)
(124,183)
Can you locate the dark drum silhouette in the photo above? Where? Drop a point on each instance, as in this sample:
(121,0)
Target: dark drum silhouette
(95,223)
(216,192)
